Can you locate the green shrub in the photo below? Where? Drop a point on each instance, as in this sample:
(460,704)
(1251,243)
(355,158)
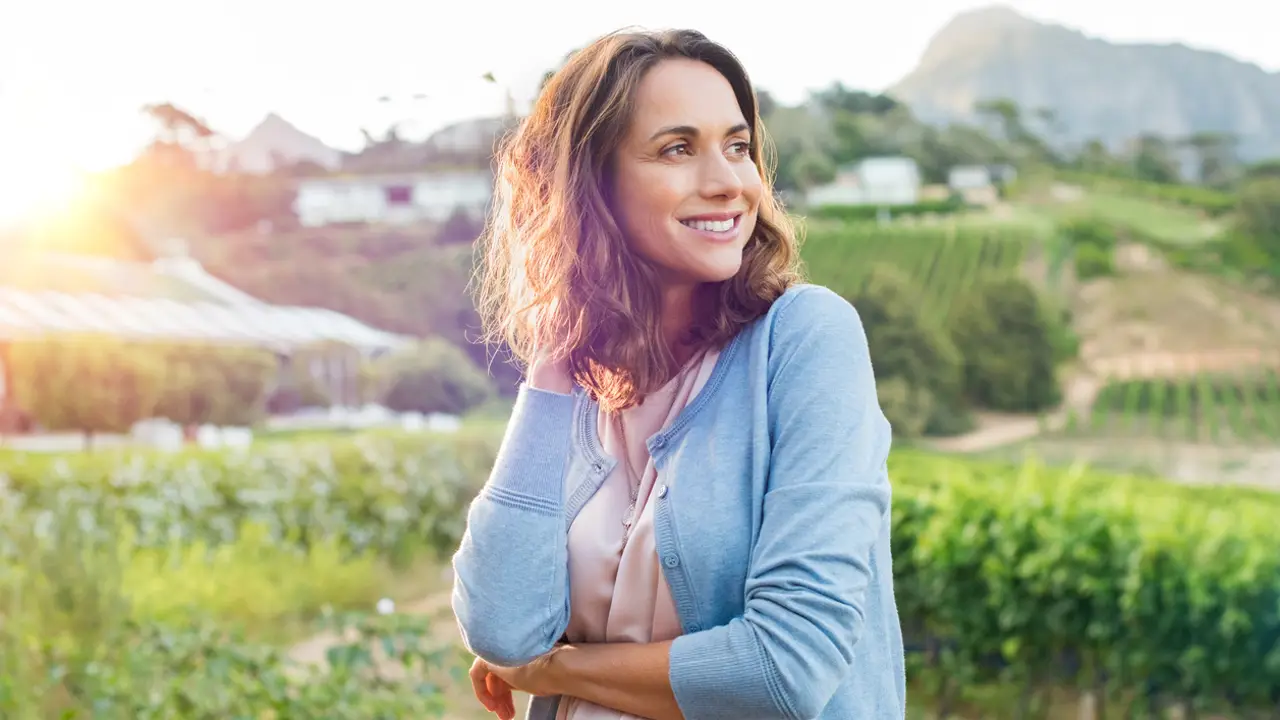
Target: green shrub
(853,213)
(1002,331)
(86,384)
(215,385)
(434,376)
(916,364)
(391,494)
(1092,262)
(1090,231)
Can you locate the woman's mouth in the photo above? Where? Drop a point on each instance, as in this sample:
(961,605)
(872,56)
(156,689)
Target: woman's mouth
(725,228)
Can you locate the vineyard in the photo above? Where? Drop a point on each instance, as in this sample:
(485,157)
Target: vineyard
(1219,408)
(945,260)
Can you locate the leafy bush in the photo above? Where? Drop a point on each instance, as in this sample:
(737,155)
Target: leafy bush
(917,364)
(72,646)
(87,384)
(433,377)
(215,385)
(1031,574)
(871,212)
(1093,261)
(101,384)
(390,494)
(1002,331)
(1090,231)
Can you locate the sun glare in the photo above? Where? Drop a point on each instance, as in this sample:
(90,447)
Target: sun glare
(33,190)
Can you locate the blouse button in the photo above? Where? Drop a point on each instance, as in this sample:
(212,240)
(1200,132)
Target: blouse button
(662,492)
(671,561)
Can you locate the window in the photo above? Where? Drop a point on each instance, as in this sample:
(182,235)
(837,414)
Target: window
(399,194)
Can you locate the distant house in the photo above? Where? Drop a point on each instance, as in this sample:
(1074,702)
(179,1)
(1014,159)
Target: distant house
(396,198)
(979,184)
(874,181)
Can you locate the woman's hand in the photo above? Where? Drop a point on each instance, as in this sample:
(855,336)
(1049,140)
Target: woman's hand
(550,373)
(493,684)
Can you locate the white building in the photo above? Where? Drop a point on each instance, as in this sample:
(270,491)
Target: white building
(873,181)
(397,199)
(978,184)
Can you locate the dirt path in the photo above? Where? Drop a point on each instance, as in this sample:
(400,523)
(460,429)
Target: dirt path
(999,429)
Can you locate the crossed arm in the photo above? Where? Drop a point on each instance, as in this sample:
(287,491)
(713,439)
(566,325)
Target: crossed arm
(789,651)
(630,677)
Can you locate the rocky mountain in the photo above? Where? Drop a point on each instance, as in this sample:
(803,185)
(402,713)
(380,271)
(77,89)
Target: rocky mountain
(275,142)
(1096,89)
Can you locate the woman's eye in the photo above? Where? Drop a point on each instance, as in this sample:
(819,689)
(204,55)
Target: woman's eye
(680,149)
(741,148)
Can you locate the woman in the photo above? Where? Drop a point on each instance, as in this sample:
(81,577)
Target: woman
(689,514)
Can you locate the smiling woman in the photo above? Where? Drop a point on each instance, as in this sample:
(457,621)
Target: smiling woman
(689,516)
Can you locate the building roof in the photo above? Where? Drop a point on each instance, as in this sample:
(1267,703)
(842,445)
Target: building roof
(169,300)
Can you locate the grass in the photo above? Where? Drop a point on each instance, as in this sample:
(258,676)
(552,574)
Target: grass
(1163,222)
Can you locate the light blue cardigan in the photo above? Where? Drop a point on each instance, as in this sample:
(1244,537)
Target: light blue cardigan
(772,526)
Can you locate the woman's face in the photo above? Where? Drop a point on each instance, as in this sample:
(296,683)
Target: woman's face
(686,192)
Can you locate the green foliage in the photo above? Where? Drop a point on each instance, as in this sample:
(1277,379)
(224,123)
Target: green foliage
(1259,215)
(388,494)
(215,385)
(73,645)
(853,213)
(101,384)
(1015,569)
(1212,202)
(86,384)
(943,260)
(434,376)
(917,362)
(1002,330)
(140,584)
(1093,261)
(1241,407)
(1092,241)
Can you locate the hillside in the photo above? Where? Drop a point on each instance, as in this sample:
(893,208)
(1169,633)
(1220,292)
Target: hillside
(1097,89)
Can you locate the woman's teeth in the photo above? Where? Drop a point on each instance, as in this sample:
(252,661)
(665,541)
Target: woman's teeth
(710,225)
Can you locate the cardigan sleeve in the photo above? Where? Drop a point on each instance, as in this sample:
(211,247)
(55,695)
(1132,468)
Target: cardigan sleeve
(510,591)
(825,508)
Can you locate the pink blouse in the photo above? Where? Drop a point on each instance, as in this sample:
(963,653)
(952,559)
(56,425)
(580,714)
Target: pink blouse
(617,592)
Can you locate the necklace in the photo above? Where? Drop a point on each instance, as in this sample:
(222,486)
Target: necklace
(635,476)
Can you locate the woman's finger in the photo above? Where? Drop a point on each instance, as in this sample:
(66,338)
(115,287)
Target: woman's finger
(479,674)
(500,691)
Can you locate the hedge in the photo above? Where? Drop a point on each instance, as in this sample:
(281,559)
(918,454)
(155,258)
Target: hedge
(1068,577)
(1004,573)
(389,493)
(859,213)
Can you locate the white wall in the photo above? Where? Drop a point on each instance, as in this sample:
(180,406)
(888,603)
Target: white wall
(322,201)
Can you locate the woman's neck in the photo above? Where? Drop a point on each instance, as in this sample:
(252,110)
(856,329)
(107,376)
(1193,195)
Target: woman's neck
(678,317)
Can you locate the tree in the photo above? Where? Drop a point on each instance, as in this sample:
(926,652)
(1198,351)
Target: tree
(1002,331)
(432,377)
(1151,159)
(917,363)
(1258,216)
(1217,163)
(88,384)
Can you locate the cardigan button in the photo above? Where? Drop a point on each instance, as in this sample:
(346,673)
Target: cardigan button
(662,492)
(695,627)
(671,561)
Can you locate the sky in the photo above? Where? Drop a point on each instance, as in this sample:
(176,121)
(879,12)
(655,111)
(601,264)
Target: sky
(74,73)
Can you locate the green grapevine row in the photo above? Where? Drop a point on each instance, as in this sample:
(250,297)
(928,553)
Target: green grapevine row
(945,260)
(1242,408)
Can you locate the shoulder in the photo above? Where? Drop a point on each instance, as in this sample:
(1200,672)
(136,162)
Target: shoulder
(814,314)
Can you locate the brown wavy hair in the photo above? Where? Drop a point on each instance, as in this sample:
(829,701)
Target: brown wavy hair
(556,274)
